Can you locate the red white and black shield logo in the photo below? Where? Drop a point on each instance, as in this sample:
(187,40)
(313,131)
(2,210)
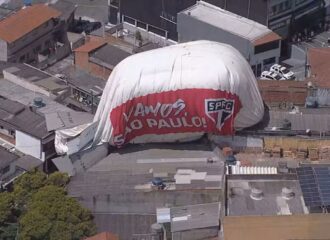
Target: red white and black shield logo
(219,110)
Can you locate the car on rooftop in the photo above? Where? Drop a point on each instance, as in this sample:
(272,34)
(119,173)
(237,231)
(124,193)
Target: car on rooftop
(282,71)
(267,75)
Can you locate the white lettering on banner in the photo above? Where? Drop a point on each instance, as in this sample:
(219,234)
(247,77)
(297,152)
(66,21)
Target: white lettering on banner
(164,110)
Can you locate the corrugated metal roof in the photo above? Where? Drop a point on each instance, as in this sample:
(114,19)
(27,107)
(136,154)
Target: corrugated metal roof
(25,20)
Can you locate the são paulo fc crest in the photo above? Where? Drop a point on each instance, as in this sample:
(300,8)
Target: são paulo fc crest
(219,110)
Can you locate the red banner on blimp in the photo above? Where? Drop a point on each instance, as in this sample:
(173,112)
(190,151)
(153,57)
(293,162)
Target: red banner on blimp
(180,111)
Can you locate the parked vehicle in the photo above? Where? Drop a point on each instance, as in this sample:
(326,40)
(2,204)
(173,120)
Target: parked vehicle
(282,71)
(266,75)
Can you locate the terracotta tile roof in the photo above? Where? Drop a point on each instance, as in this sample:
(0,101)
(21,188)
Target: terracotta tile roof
(25,20)
(274,92)
(93,44)
(270,37)
(319,59)
(104,236)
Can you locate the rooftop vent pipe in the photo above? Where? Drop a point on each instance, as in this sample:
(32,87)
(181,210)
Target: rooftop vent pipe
(287,193)
(256,194)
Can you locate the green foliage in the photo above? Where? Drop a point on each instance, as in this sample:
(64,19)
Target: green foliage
(6,206)
(43,210)
(58,179)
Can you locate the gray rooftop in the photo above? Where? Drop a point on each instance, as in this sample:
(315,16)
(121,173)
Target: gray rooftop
(195,216)
(240,203)
(24,96)
(28,162)
(227,20)
(108,56)
(63,120)
(29,74)
(77,77)
(6,158)
(121,183)
(20,117)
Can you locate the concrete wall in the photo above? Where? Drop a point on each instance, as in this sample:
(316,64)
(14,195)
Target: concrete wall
(28,144)
(191,29)
(3,50)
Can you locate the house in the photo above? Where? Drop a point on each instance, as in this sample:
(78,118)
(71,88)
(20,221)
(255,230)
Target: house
(99,58)
(258,44)
(24,128)
(34,34)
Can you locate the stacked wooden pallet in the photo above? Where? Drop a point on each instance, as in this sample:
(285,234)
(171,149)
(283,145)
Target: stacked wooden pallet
(302,153)
(277,152)
(313,154)
(324,153)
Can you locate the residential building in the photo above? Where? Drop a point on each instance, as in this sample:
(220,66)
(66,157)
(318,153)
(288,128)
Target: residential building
(99,58)
(23,127)
(37,35)
(258,44)
(285,17)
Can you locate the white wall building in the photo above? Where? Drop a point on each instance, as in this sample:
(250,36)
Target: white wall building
(257,43)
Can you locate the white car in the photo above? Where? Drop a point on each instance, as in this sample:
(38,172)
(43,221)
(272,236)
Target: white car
(282,71)
(266,75)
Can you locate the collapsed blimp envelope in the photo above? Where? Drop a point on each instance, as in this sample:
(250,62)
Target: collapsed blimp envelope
(178,93)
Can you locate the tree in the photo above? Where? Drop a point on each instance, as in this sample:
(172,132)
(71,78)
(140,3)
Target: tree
(42,209)
(63,217)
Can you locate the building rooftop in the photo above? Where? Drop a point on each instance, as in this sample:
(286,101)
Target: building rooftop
(24,96)
(28,162)
(91,45)
(108,56)
(104,236)
(6,158)
(195,216)
(22,118)
(121,184)
(301,119)
(318,59)
(25,20)
(311,226)
(37,77)
(231,22)
(241,201)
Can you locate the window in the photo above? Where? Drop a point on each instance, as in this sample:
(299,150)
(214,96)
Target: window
(266,47)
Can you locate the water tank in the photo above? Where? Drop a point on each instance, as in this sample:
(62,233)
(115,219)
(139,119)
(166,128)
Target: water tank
(38,102)
(287,193)
(256,194)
